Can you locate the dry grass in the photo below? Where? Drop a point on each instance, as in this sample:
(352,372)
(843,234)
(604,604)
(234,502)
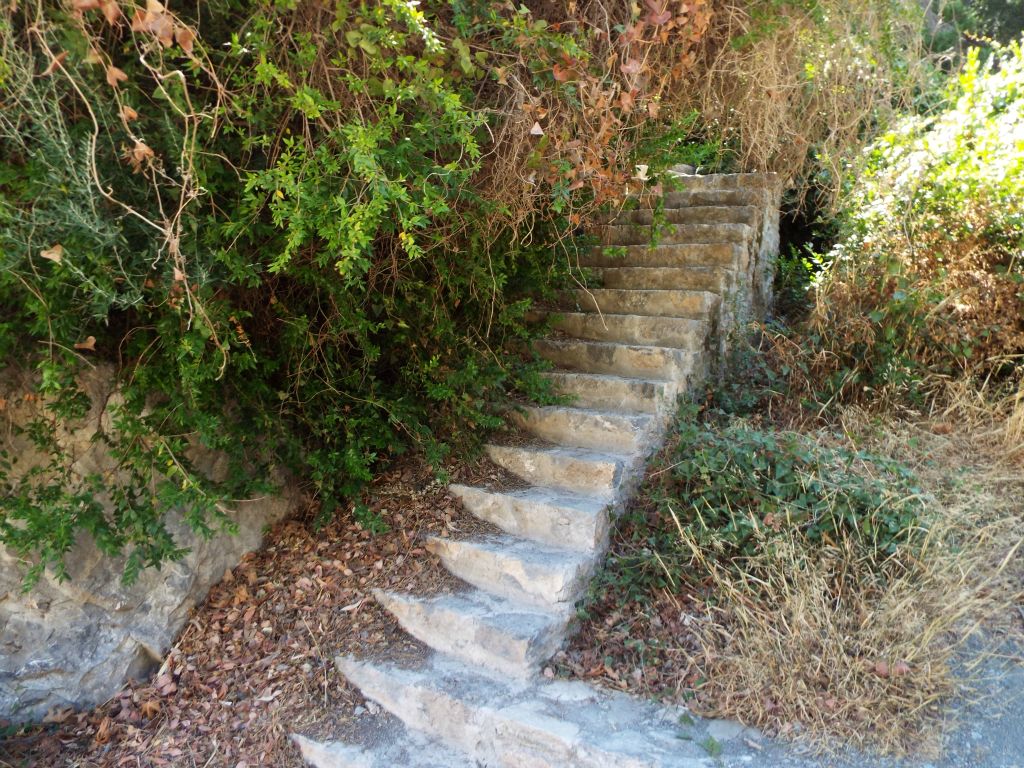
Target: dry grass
(823,644)
(802,88)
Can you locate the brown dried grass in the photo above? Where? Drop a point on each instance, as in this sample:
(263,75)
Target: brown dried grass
(800,94)
(820,643)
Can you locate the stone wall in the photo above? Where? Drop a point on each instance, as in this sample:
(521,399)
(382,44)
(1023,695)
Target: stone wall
(75,643)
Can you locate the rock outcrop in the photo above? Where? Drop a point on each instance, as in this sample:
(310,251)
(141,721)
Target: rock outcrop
(74,643)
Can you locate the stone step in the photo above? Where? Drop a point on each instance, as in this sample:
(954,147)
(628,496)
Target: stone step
(727,255)
(680,332)
(541,514)
(393,746)
(695,305)
(498,634)
(568,469)
(619,359)
(669,234)
(693,214)
(684,180)
(544,725)
(585,428)
(599,390)
(520,570)
(684,198)
(713,279)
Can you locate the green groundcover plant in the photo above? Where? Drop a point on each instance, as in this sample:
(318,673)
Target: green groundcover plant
(732,490)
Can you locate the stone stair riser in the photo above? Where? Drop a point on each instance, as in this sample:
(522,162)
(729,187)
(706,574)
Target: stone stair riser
(646,362)
(506,639)
(539,515)
(725,255)
(683,333)
(521,571)
(580,428)
(709,279)
(592,475)
(692,305)
(694,214)
(671,234)
(630,395)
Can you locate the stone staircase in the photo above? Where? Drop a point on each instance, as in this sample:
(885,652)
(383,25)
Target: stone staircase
(626,351)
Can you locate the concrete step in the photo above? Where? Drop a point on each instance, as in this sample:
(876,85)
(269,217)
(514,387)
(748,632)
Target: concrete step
(712,279)
(569,469)
(498,634)
(522,571)
(695,305)
(619,359)
(542,515)
(669,234)
(694,214)
(600,391)
(727,255)
(544,725)
(680,332)
(583,428)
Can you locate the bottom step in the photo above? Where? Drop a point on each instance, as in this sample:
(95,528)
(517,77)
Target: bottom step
(396,748)
(535,725)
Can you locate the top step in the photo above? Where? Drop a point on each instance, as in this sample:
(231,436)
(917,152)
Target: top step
(767,181)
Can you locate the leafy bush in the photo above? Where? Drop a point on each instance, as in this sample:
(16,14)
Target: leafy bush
(730,491)
(308,234)
(307,237)
(927,275)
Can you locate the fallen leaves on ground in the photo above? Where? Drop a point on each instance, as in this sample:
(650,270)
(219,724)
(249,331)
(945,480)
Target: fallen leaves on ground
(255,662)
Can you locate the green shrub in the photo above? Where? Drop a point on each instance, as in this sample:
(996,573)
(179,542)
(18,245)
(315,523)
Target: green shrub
(308,237)
(927,276)
(730,490)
